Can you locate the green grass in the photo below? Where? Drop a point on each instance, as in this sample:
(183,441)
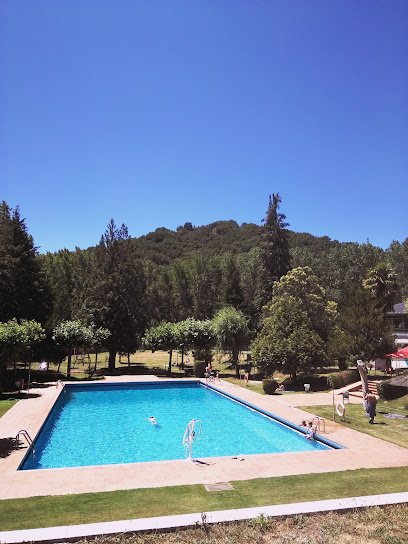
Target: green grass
(139,503)
(392,430)
(5,405)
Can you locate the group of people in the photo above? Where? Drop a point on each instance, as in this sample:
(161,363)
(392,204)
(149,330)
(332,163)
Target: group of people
(210,374)
(311,431)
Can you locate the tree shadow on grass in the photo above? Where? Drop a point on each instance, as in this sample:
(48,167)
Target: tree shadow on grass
(18,396)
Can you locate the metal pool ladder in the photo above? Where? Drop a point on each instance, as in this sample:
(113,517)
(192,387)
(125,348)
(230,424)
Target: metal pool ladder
(317,421)
(28,439)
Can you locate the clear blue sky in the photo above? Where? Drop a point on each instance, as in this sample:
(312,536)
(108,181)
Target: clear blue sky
(160,112)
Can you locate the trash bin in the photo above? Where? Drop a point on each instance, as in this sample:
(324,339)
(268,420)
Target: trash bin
(307,387)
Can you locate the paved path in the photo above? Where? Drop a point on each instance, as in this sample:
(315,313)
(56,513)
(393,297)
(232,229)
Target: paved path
(361,451)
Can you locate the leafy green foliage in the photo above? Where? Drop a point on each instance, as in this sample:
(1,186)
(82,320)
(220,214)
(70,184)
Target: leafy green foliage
(269,386)
(295,326)
(74,334)
(361,331)
(231,332)
(18,339)
(166,336)
(381,283)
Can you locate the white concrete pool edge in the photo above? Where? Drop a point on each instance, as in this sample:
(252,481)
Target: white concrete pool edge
(77,532)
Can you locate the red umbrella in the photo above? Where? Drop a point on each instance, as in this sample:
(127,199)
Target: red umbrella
(400,354)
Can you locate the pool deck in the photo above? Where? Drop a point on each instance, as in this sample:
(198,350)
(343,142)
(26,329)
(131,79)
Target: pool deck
(361,451)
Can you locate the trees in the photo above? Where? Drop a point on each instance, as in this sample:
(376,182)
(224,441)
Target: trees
(205,278)
(74,334)
(231,291)
(199,336)
(397,256)
(287,341)
(382,285)
(165,336)
(296,325)
(274,248)
(22,292)
(302,284)
(231,332)
(115,299)
(360,331)
(18,339)
(70,335)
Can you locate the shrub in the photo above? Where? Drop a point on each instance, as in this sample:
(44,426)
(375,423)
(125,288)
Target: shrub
(199,369)
(270,386)
(386,390)
(343,364)
(340,379)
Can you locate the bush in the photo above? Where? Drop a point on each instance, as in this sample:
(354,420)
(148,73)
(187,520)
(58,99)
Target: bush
(199,369)
(270,386)
(343,364)
(343,378)
(387,391)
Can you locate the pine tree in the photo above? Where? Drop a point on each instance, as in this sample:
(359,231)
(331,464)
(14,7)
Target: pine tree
(21,284)
(274,247)
(116,299)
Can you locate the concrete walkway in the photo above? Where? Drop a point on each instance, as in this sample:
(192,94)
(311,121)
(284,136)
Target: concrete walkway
(70,533)
(361,451)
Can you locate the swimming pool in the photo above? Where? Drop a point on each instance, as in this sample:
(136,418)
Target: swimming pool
(109,424)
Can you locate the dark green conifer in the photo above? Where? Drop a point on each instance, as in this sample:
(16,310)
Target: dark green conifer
(274,250)
(21,285)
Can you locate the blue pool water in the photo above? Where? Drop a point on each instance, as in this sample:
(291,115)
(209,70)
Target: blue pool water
(109,424)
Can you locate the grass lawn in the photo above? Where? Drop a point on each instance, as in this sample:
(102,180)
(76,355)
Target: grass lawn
(6,405)
(392,430)
(140,503)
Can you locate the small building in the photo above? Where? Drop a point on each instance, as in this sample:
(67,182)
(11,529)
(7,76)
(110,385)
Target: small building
(399,321)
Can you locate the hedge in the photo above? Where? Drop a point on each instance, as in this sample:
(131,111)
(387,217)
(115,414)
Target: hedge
(386,390)
(343,378)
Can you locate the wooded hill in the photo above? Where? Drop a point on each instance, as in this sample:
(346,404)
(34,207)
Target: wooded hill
(163,245)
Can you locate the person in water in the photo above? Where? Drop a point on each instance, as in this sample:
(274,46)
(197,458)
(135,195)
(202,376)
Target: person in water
(152,420)
(310,435)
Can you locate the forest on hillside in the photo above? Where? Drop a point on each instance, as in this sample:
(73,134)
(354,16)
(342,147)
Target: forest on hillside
(128,285)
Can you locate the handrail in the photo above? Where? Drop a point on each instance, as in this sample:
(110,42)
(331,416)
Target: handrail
(319,419)
(28,439)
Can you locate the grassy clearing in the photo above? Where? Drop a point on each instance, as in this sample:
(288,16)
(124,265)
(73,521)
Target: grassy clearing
(387,525)
(392,430)
(139,503)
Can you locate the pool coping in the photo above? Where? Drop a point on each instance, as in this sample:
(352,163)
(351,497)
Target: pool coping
(360,451)
(72,533)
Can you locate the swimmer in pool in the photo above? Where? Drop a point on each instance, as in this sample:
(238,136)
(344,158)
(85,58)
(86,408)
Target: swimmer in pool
(152,420)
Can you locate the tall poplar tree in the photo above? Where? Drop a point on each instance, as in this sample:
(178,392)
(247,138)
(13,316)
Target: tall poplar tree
(274,250)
